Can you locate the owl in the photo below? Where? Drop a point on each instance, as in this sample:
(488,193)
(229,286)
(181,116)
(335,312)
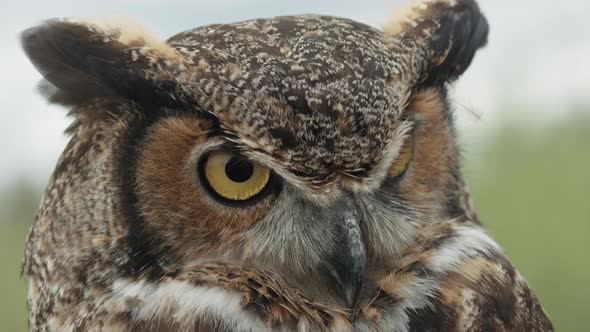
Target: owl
(296,173)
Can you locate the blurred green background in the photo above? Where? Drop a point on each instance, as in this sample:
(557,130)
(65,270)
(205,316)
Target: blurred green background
(531,188)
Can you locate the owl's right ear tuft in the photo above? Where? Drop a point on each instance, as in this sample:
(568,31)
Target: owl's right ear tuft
(436,40)
(82,61)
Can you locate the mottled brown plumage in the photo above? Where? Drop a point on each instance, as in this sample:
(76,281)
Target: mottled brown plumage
(364,223)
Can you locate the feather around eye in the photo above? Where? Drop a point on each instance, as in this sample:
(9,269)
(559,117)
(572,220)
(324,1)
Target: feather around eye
(404,158)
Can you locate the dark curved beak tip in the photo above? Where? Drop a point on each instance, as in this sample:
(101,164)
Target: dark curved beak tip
(348,265)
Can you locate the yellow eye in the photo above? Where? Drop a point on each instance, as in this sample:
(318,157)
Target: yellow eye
(234,177)
(403,160)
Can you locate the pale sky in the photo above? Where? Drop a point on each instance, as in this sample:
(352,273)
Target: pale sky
(537,59)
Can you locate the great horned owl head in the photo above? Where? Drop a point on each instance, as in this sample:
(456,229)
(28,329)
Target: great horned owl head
(272,168)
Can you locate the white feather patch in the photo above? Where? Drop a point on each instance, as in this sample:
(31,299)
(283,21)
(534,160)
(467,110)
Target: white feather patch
(184,304)
(469,241)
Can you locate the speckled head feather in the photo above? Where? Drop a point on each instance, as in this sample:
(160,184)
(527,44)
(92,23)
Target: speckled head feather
(277,86)
(365,222)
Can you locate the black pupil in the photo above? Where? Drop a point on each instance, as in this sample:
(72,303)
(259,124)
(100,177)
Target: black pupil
(239,169)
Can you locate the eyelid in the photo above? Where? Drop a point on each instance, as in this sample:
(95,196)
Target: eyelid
(404,158)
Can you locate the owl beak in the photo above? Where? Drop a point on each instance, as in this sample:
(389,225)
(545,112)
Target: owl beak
(348,265)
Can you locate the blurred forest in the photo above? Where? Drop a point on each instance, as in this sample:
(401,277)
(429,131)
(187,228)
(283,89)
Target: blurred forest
(531,188)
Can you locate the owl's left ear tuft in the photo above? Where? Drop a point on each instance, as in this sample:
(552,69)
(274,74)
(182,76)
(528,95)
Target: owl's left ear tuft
(83,61)
(436,40)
